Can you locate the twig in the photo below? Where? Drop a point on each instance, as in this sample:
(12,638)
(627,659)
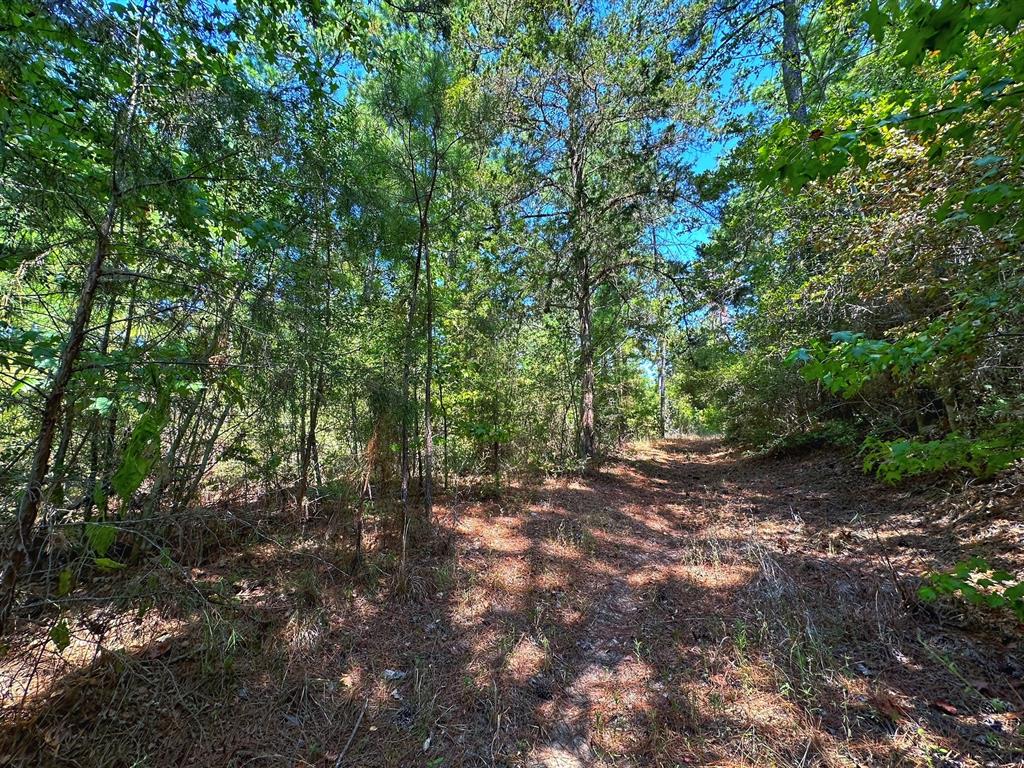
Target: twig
(355,728)
(904,597)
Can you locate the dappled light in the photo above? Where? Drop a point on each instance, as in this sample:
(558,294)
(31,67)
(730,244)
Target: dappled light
(512,383)
(577,622)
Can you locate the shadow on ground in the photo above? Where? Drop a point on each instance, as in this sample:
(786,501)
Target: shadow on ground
(681,606)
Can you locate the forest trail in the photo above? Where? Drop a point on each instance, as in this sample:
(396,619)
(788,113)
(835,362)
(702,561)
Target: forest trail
(687,605)
(681,605)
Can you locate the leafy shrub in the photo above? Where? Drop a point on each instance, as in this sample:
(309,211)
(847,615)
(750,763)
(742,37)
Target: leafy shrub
(976,582)
(894,460)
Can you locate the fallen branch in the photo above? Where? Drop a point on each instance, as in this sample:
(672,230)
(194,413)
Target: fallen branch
(355,728)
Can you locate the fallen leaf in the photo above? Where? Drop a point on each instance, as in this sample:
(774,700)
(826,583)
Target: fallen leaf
(886,703)
(944,706)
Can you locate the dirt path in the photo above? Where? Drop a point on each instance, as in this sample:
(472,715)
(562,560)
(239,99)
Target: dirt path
(689,606)
(681,606)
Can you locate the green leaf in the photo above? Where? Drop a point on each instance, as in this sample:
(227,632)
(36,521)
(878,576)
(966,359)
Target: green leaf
(800,355)
(100,536)
(102,406)
(1016,592)
(877,20)
(61,635)
(64,583)
(142,450)
(987,160)
(106,564)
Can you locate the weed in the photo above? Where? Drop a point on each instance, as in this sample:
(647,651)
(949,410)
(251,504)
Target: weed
(640,650)
(574,535)
(444,576)
(221,640)
(740,640)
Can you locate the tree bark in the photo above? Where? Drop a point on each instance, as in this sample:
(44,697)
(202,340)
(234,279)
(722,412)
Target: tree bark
(355,427)
(581,260)
(111,439)
(428,427)
(309,443)
(57,483)
(406,376)
(792,72)
(28,507)
(588,436)
(444,431)
(661,388)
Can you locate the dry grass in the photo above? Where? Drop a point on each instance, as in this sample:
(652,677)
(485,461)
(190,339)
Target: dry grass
(680,606)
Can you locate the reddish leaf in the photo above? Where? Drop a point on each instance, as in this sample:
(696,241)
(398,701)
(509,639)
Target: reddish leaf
(886,703)
(944,706)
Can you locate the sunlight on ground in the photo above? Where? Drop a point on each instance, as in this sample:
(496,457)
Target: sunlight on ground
(679,607)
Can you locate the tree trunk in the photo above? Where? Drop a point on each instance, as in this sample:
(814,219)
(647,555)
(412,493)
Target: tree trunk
(444,432)
(318,473)
(661,388)
(792,72)
(581,261)
(588,438)
(406,375)
(204,463)
(418,461)
(56,496)
(315,399)
(428,427)
(110,445)
(300,428)
(365,495)
(166,475)
(99,469)
(94,468)
(496,461)
(355,427)
(28,507)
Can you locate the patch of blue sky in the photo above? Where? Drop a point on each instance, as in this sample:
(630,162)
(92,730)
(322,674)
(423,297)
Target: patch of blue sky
(681,236)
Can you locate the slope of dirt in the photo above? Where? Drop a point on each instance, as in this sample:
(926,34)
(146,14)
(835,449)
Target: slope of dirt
(680,606)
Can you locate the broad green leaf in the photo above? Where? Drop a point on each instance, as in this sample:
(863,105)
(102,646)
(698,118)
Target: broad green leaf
(106,564)
(142,451)
(100,537)
(64,582)
(61,635)
(102,405)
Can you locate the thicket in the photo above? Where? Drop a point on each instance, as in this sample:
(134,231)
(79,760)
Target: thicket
(866,279)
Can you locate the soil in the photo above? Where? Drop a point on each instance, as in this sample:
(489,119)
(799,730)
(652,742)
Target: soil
(680,605)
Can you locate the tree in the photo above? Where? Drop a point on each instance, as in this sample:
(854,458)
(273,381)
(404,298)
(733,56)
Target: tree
(603,115)
(109,88)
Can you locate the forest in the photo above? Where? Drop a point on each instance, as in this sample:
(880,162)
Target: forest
(538,383)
